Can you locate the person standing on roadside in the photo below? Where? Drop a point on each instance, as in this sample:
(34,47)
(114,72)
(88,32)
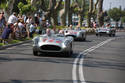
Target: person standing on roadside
(13,18)
(94,25)
(44,27)
(36,18)
(32,29)
(6,32)
(2,22)
(28,23)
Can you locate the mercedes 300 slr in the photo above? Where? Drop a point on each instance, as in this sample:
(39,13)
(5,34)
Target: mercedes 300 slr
(105,31)
(76,34)
(52,44)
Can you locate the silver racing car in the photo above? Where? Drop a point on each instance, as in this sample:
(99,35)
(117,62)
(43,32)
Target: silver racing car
(105,31)
(52,44)
(76,34)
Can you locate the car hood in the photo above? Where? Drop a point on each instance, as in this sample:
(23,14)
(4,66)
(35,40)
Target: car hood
(51,41)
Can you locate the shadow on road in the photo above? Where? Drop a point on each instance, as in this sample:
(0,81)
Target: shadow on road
(51,59)
(104,63)
(40,81)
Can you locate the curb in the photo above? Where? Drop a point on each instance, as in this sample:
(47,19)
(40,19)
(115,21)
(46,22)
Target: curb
(120,30)
(11,45)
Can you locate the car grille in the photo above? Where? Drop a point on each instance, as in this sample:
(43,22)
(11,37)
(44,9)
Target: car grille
(50,48)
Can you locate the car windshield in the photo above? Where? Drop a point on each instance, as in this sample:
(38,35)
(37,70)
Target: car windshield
(59,35)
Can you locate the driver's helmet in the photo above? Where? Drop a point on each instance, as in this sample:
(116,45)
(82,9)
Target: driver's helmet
(61,32)
(48,32)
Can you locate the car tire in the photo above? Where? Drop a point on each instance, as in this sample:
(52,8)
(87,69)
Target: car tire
(67,53)
(83,37)
(113,35)
(35,53)
(110,35)
(97,35)
(100,34)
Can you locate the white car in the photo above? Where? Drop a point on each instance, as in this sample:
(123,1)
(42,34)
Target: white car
(52,44)
(105,31)
(76,34)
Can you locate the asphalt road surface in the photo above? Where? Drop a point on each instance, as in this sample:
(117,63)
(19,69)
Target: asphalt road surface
(96,60)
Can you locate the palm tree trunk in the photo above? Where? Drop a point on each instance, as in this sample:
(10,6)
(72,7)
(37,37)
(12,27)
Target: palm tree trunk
(8,11)
(90,13)
(80,20)
(65,12)
(100,13)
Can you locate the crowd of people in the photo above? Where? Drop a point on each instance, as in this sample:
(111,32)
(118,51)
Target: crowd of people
(20,26)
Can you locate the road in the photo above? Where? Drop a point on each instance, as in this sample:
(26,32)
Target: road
(97,60)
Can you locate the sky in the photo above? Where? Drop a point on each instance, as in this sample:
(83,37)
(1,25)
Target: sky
(113,3)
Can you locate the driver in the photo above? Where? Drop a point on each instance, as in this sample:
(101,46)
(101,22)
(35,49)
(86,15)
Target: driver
(61,32)
(70,27)
(77,28)
(48,32)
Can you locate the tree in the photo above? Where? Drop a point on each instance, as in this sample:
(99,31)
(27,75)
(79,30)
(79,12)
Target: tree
(100,14)
(71,11)
(64,12)
(115,14)
(7,6)
(26,8)
(81,10)
(91,11)
(50,7)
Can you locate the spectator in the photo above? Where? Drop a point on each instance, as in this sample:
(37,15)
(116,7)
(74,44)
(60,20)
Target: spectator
(47,23)
(78,27)
(44,26)
(16,31)
(32,29)
(6,32)
(36,18)
(53,31)
(29,20)
(13,19)
(2,22)
(21,27)
(94,25)
(28,23)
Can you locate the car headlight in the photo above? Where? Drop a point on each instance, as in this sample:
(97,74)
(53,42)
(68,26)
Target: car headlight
(65,44)
(107,31)
(36,40)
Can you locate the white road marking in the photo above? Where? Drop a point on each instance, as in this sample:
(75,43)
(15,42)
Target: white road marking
(74,70)
(12,47)
(79,61)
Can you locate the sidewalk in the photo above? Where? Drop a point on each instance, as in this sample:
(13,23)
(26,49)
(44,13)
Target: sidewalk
(10,45)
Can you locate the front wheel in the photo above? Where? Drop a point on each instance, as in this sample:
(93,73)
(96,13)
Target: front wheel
(68,53)
(110,35)
(35,53)
(113,35)
(83,37)
(97,35)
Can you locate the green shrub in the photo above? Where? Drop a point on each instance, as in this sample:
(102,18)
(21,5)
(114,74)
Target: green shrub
(57,27)
(14,41)
(1,44)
